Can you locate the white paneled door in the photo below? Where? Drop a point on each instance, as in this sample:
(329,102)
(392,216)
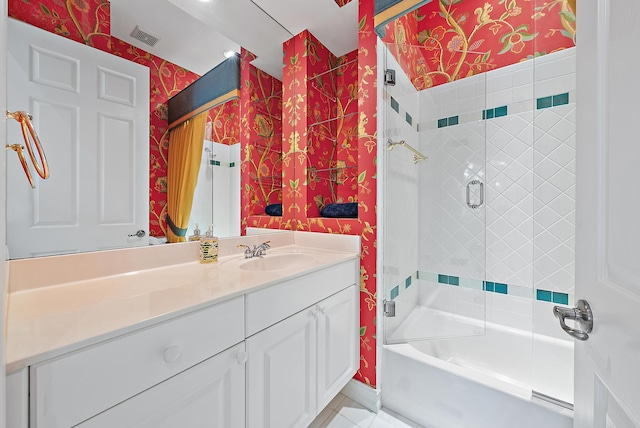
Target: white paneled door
(607,378)
(91,110)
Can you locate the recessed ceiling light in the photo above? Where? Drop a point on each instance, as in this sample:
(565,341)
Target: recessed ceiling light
(229,53)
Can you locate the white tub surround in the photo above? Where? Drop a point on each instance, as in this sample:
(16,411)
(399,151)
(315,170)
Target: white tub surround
(438,394)
(64,303)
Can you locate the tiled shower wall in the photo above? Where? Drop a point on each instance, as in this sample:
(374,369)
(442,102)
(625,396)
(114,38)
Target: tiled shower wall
(527,113)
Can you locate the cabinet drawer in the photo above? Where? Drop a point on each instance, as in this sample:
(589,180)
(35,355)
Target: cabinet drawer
(210,394)
(78,386)
(270,305)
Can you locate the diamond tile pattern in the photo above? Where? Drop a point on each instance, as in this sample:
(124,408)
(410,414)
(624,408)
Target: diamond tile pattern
(531,199)
(510,199)
(554,199)
(452,234)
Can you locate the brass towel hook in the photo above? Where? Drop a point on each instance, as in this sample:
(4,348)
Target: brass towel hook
(29,135)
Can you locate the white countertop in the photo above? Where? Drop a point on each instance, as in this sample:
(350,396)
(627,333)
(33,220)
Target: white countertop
(48,321)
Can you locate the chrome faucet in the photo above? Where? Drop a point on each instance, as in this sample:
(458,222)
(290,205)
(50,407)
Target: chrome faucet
(256,251)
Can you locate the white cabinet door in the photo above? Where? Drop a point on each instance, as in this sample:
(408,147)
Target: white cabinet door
(607,369)
(18,399)
(209,395)
(281,373)
(338,335)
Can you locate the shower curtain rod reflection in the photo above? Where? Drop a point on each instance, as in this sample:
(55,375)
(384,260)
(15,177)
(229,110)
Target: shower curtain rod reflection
(417,157)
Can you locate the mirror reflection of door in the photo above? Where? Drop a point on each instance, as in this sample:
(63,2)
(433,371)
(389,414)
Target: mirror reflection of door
(91,112)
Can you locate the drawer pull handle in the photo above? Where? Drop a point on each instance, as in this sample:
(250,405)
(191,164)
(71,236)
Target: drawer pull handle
(171,354)
(242,357)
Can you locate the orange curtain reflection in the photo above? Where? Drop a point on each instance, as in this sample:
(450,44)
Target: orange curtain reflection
(185,153)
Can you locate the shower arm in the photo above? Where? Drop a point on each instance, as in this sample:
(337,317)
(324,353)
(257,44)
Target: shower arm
(417,156)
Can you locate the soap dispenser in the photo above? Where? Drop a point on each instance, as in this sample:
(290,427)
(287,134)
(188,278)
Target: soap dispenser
(208,247)
(196,234)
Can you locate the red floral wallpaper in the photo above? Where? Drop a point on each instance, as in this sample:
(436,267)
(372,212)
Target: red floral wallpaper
(346,129)
(223,124)
(85,21)
(88,21)
(445,40)
(342,2)
(317,142)
(261,138)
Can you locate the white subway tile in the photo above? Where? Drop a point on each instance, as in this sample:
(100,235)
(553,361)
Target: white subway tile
(502,82)
(522,93)
(566,83)
(544,88)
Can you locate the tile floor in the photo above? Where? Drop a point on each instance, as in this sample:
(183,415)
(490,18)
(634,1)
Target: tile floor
(343,412)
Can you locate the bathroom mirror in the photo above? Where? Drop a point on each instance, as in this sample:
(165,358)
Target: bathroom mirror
(217,200)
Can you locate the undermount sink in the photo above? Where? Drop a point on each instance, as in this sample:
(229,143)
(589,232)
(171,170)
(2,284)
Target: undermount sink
(276,262)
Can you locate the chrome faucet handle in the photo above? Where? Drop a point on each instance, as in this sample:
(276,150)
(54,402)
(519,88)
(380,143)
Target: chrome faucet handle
(247,251)
(261,249)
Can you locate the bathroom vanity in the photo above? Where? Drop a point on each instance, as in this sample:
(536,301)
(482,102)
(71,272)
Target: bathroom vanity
(263,342)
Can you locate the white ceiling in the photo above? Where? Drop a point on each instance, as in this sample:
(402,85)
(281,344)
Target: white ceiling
(194,34)
(183,40)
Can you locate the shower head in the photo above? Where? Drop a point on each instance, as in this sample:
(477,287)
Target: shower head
(417,156)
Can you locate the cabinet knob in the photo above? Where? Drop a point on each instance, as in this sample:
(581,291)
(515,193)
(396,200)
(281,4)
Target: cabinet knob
(242,357)
(171,354)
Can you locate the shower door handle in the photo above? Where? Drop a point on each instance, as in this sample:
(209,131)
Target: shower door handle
(582,316)
(469,203)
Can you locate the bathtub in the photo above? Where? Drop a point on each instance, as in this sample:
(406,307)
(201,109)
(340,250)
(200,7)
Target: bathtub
(479,381)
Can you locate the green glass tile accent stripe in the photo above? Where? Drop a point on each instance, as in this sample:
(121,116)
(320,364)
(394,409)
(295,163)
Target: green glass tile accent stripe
(500,111)
(448,121)
(408,118)
(490,113)
(232,164)
(561,99)
(454,280)
(560,298)
(500,288)
(395,292)
(407,282)
(443,279)
(395,105)
(544,295)
(544,102)
(489,286)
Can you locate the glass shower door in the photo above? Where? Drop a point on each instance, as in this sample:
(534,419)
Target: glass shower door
(433,239)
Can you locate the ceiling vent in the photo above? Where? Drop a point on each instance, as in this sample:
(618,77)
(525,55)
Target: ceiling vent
(144,36)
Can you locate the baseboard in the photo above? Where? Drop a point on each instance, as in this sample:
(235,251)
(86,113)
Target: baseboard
(365,395)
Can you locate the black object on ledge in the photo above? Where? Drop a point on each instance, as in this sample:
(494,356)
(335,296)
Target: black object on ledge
(342,210)
(274,210)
